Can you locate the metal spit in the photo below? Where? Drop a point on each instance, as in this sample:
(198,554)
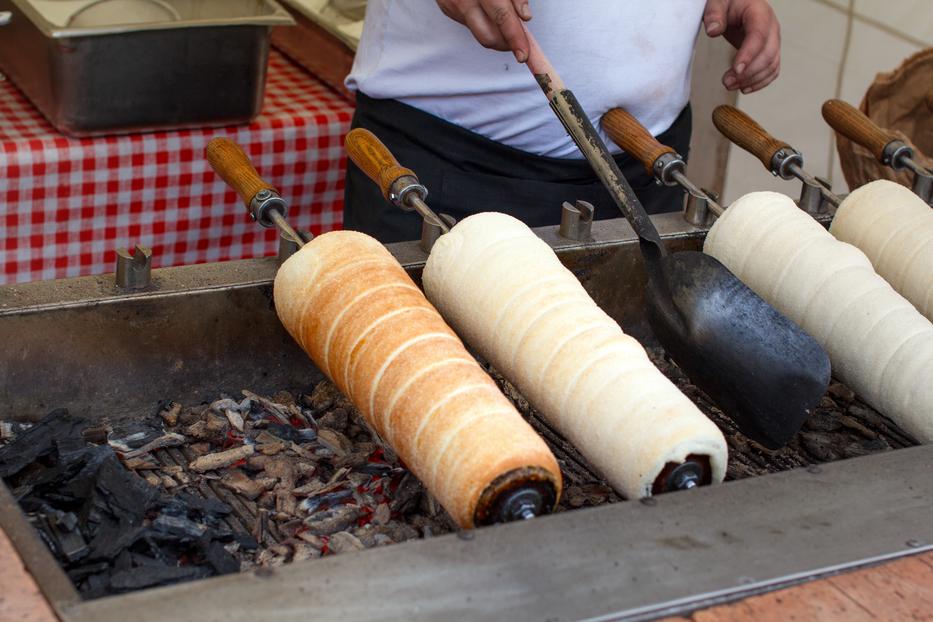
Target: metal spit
(889,150)
(399,185)
(522,501)
(777,156)
(662,162)
(263,201)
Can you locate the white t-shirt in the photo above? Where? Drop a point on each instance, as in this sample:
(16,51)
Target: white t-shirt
(630,53)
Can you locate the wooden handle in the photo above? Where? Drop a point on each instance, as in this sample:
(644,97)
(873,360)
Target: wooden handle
(627,132)
(233,165)
(854,125)
(375,159)
(747,134)
(541,68)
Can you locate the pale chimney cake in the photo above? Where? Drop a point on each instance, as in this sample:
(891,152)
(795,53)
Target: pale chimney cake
(507,294)
(894,228)
(879,344)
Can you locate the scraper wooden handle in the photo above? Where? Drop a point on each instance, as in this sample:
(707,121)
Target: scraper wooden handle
(375,159)
(747,134)
(856,126)
(233,165)
(627,132)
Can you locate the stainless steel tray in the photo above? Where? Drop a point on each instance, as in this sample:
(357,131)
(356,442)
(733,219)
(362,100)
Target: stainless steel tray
(207,68)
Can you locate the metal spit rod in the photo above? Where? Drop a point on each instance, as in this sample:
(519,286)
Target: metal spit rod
(777,156)
(661,161)
(795,167)
(263,202)
(412,197)
(690,187)
(279,220)
(399,185)
(887,148)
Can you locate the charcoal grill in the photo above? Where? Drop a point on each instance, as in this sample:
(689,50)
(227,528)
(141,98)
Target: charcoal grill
(197,331)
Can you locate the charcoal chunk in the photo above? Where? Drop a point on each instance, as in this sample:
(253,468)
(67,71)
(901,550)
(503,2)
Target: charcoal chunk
(39,441)
(111,530)
(143,577)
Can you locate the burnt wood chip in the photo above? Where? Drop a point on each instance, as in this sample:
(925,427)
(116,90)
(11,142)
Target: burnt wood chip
(408,496)
(217,557)
(331,521)
(292,434)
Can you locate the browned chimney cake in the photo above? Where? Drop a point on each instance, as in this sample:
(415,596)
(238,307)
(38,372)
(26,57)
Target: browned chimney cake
(354,310)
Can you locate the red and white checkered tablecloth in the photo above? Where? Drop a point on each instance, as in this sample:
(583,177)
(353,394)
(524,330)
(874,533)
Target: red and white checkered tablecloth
(67,204)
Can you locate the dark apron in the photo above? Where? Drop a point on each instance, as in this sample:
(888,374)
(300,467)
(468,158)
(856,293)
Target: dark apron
(466,173)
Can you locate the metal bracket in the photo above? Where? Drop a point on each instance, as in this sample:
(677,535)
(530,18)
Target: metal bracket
(696,207)
(265,201)
(134,268)
(782,161)
(431,231)
(576,221)
(923,186)
(288,246)
(811,197)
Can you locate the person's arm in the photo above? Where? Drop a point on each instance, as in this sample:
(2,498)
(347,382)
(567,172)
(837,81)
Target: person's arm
(496,24)
(753,29)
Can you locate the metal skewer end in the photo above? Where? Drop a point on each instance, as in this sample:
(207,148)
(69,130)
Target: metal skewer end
(686,476)
(521,504)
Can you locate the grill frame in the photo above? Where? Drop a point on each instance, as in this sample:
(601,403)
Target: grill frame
(635,560)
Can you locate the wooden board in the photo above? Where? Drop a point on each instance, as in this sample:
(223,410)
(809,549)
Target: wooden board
(898,590)
(20,599)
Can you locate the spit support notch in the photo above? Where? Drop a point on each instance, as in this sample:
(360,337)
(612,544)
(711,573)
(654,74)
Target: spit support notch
(576,221)
(134,268)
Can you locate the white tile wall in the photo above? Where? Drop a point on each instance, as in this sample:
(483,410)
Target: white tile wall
(911,18)
(884,33)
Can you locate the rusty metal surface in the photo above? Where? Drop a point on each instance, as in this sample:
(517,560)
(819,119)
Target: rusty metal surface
(85,345)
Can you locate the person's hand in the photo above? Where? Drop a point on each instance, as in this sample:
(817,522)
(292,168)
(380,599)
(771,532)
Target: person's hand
(496,24)
(752,27)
